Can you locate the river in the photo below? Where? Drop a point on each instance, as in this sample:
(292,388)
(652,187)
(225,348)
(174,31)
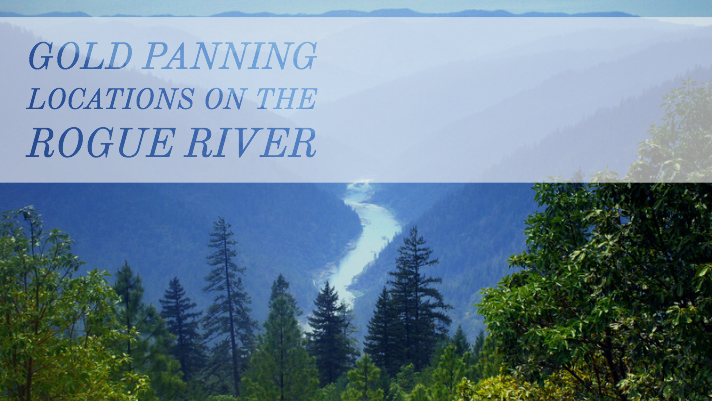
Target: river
(379,227)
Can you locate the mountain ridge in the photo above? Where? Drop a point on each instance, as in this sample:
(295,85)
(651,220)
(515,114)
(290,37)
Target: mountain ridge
(385,12)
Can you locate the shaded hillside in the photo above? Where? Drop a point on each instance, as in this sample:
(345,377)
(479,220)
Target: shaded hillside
(472,231)
(162,230)
(614,131)
(561,101)
(409,201)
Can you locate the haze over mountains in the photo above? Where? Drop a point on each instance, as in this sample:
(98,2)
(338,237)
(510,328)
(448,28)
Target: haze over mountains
(553,102)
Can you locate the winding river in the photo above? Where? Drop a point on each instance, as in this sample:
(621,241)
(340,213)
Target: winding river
(379,227)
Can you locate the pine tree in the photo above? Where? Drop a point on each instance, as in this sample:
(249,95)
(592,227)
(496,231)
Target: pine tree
(183,324)
(459,340)
(479,343)
(384,338)
(280,288)
(281,368)
(363,382)
(149,352)
(228,318)
(419,393)
(419,305)
(447,375)
(330,343)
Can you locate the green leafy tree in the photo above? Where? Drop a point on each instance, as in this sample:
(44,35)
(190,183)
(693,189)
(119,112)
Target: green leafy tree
(420,306)
(384,339)
(680,149)
(57,330)
(615,292)
(329,340)
(228,318)
(183,324)
(281,369)
(363,382)
(150,349)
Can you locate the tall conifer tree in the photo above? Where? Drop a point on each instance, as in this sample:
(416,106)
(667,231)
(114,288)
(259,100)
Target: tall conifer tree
(420,306)
(281,368)
(384,338)
(183,324)
(459,340)
(280,288)
(330,343)
(363,382)
(228,318)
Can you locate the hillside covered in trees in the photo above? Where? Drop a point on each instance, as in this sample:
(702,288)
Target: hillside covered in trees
(162,230)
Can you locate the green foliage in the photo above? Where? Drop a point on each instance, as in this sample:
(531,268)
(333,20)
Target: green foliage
(419,393)
(228,318)
(216,376)
(149,350)
(560,386)
(183,325)
(56,330)
(479,343)
(281,368)
(488,361)
(395,392)
(221,398)
(419,305)
(447,375)
(363,382)
(331,341)
(680,150)
(330,392)
(407,378)
(280,288)
(500,388)
(614,292)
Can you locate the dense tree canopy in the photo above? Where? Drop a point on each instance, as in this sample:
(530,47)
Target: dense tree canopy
(57,330)
(679,149)
(615,292)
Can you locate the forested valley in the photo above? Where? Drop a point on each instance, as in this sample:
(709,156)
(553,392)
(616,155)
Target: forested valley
(609,295)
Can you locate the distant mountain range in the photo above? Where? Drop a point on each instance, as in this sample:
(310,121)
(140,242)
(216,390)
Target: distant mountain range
(390,12)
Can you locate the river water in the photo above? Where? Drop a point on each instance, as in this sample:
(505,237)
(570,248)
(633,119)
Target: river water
(379,227)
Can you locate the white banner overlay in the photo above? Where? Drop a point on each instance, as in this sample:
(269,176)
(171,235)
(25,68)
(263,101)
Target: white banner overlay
(336,99)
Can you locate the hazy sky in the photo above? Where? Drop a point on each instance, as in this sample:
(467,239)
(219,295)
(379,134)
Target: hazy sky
(657,8)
